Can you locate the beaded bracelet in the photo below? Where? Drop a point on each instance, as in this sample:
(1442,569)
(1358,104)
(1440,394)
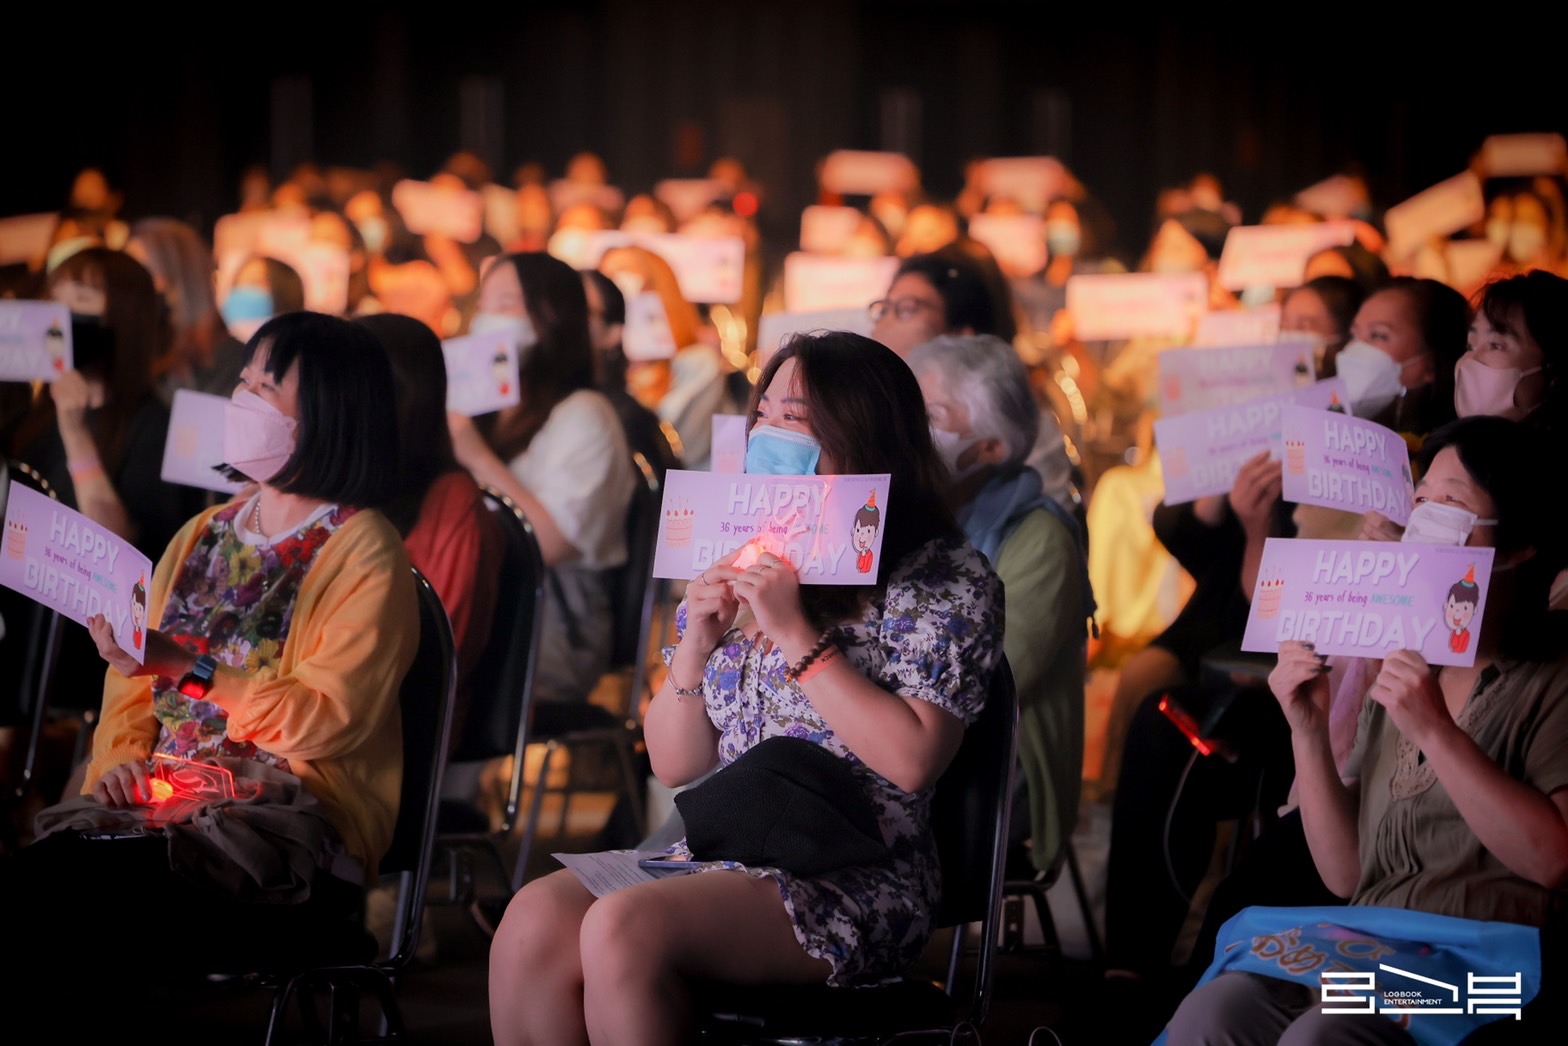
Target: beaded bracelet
(792,673)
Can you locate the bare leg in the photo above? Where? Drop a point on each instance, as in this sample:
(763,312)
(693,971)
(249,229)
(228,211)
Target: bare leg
(536,970)
(638,946)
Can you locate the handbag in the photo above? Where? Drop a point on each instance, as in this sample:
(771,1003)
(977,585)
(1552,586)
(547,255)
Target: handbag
(786,803)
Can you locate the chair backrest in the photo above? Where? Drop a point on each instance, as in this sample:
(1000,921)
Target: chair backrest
(499,683)
(425,701)
(970,812)
(636,590)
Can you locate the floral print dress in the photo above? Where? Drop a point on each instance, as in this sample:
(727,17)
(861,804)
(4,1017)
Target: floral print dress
(934,634)
(233,598)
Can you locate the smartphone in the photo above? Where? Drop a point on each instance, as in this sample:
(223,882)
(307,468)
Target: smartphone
(667,865)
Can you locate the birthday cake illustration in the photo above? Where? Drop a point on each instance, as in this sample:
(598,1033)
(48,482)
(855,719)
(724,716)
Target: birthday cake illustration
(15,538)
(1296,455)
(1270,587)
(677,527)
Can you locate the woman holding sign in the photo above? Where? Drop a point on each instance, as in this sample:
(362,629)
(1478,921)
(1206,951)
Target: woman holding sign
(561,455)
(1454,800)
(283,624)
(879,680)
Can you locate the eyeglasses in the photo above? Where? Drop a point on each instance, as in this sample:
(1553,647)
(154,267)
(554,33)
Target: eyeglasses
(901,308)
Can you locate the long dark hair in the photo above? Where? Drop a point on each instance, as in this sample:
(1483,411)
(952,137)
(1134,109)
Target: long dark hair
(1443,316)
(866,410)
(562,361)
(424,442)
(1502,458)
(137,333)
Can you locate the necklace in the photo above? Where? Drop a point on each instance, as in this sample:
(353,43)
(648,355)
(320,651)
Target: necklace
(255,518)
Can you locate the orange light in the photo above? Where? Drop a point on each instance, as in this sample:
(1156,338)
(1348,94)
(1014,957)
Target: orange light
(161,789)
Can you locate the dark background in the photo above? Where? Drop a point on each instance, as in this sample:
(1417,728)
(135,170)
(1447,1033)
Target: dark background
(174,108)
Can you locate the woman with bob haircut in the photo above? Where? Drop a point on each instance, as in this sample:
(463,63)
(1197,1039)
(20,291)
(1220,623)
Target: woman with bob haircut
(561,455)
(282,626)
(885,677)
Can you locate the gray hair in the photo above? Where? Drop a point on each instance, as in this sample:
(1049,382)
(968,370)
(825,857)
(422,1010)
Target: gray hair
(984,373)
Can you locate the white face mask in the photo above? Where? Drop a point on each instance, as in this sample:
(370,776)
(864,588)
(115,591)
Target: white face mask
(951,447)
(1371,376)
(1434,523)
(520,327)
(1479,389)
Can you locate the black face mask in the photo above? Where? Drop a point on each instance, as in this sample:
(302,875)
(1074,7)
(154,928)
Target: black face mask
(92,344)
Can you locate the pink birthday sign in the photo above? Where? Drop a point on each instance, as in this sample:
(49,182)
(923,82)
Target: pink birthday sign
(1200,453)
(1338,461)
(828,527)
(1365,598)
(58,557)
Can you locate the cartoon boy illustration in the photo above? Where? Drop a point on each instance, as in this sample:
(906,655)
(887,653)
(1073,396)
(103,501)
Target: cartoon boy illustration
(867,518)
(54,344)
(1460,610)
(138,611)
(501,371)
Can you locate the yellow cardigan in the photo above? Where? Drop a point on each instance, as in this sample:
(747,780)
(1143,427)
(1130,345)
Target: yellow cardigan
(329,705)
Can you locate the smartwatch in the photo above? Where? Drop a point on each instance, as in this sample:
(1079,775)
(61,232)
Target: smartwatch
(198,680)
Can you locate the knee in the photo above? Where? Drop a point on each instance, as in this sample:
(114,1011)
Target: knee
(1221,1011)
(537,932)
(621,934)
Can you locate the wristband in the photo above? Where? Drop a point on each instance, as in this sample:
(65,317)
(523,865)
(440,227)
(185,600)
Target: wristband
(792,673)
(823,660)
(86,470)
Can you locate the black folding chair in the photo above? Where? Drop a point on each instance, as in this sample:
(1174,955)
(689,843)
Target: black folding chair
(499,687)
(969,816)
(27,655)
(575,727)
(426,707)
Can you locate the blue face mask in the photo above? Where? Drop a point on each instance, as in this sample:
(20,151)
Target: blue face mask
(247,303)
(779,452)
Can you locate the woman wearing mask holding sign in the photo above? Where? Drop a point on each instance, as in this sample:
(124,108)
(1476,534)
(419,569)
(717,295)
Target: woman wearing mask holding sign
(884,678)
(282,625)
(561,455)
(1454,799)
(1399,364)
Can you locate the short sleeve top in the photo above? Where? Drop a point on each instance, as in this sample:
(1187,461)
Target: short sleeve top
(579,468)
(1416,850)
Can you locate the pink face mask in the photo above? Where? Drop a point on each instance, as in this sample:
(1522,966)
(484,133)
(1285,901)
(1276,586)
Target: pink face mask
(258,439)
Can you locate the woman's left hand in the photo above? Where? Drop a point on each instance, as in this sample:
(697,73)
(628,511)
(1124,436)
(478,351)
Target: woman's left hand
(1407,687)
(163,656)
(72,398)
(772,591)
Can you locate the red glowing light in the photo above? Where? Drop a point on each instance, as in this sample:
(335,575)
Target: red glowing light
(189,780)
(745,204)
